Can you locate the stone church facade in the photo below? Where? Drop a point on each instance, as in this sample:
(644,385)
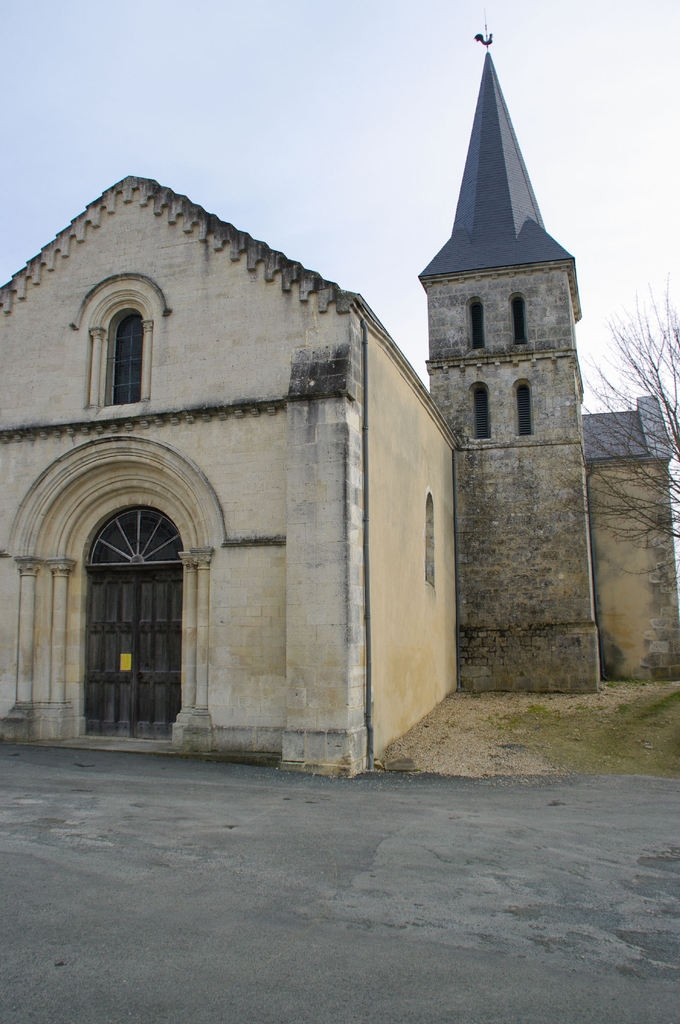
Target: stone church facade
(232,516)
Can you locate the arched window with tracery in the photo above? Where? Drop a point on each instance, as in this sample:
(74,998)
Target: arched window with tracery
(137,536)
(119,313)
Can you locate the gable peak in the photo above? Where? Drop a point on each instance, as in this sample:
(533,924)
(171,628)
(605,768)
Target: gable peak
(194,220)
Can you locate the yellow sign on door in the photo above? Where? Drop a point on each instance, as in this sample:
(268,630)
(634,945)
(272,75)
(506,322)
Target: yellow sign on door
(126,662)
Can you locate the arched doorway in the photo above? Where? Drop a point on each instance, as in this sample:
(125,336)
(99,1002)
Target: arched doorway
(134,626)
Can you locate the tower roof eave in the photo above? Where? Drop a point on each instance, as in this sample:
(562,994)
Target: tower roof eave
(461,253)
(431,274)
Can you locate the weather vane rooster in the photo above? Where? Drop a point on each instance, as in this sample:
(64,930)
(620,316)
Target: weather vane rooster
(480,38)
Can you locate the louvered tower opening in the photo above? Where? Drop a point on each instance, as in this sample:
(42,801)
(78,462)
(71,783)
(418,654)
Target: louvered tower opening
(519,321)
(477,324)
(524,410)
(481,412)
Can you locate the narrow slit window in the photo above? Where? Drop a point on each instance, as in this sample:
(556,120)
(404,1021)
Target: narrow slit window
(429,540)
(519,325)
(126,371)
(524,410)
(477,324)
(481,412)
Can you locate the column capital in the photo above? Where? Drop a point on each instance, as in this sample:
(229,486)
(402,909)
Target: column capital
(60,566)
(147,325)
(98,332)
(28,565)
(188,559)
(203,556)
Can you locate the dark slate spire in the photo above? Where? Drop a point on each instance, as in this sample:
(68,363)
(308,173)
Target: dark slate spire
(498,223)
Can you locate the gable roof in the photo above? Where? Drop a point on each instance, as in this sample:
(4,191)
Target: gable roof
(193,219)
(498,222)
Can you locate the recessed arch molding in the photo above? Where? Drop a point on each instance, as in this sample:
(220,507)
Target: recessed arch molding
(81,488)
(133,287)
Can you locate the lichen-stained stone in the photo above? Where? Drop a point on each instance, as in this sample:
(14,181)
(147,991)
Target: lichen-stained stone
(527,618)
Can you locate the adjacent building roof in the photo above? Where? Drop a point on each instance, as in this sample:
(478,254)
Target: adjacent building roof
(498,223)
(631,434)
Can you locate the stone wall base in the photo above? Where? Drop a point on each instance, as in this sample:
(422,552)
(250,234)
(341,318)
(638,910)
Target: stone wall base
(16,725)
(561,658)
(192,731)
(324,752)
(331,752)
(26,723)
(248,739)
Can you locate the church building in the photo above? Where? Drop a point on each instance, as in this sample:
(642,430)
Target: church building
(233,518)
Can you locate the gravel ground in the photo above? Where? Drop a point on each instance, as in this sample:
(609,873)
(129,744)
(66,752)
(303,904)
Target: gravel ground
(463,734)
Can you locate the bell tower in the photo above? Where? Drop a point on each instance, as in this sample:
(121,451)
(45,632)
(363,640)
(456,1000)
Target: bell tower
(502,305)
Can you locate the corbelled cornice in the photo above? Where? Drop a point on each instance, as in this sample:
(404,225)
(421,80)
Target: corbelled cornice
(120,424)
(192,220)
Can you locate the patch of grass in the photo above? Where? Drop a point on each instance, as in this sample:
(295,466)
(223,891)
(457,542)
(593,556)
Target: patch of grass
(615,684)
(662,704)
(640,735)
(505,722)
(529,717)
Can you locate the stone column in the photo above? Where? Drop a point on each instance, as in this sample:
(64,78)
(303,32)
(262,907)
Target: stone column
(97,335)
(188,630)
(193,727)
(28,570)
(147,327)
(61,570)
(203,557)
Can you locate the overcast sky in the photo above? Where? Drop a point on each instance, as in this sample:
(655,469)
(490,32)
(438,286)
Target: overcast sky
(337,133)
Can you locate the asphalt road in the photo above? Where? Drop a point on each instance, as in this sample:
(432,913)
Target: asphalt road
(166,891)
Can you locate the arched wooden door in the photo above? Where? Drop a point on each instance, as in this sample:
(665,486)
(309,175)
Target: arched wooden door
(134,627)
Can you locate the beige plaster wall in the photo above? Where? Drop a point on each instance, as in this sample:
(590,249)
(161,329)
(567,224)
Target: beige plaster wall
(635,583)
(413,623)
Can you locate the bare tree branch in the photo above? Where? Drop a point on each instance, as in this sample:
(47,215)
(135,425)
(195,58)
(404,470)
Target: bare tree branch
(633,449)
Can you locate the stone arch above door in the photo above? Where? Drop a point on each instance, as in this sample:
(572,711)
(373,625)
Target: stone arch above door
(80,489)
